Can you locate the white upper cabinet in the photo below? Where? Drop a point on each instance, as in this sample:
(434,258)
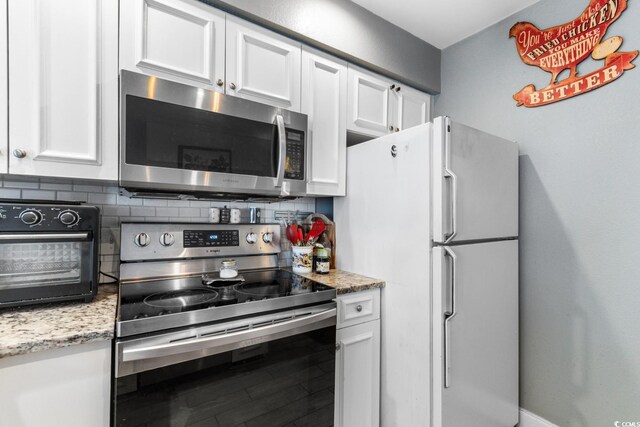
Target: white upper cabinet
(410,107)
(4,128)
(262,66)
(63,88)
(378,106)
(180,40)
(324,101)
(368,110)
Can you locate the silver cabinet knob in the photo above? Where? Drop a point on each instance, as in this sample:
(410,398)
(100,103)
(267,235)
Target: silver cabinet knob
(392,87)
(232,86)
(398,89)
(167,239)
(391,128)
(20,153)
(267,237)
(338,346)
(358,308)
(142,240)
(219,82)
(397,129)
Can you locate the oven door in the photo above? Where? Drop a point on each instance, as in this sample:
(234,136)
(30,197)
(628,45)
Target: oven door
(267,371)
(43,267)
(181,138)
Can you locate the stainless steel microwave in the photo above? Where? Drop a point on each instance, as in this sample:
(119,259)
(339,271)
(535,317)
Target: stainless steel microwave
(181,139)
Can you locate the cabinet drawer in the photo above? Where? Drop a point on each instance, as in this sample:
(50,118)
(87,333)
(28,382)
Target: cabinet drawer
(358,307)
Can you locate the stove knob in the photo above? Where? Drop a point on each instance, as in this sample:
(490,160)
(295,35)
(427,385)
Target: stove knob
(31,217)
(142,239)
(252,238)
(167,239)
(267,237)
(68,218)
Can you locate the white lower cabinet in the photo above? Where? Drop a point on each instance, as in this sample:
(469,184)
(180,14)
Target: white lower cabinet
(357,391)
(63,88)
(68,387)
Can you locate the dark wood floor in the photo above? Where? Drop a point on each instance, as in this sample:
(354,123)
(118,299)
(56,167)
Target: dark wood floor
(290,386)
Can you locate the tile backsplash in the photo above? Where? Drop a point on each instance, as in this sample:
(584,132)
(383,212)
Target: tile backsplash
(116,208)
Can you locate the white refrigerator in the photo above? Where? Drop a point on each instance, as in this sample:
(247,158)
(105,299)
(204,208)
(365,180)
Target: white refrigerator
(433,210)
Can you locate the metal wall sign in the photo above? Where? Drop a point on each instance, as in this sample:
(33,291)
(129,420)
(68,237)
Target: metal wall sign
(565,46)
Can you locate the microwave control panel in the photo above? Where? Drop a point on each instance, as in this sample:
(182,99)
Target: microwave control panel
(294,165)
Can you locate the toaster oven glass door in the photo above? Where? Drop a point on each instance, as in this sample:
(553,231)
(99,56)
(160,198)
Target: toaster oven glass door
(39,266)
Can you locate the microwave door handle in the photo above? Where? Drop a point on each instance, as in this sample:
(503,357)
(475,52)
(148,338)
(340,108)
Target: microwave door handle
(282,155)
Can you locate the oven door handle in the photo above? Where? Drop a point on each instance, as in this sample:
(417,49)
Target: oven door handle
(44,236)
(237,339)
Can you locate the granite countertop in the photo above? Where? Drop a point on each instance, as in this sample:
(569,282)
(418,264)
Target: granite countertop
(345,282)
(36,328)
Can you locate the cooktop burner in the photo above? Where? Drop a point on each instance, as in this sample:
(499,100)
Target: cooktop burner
(143,302)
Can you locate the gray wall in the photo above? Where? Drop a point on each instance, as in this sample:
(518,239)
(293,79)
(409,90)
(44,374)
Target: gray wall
(579,218)
(348,31)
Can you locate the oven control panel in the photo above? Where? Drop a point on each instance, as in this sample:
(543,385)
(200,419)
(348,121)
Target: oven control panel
(154,241)
(210,238)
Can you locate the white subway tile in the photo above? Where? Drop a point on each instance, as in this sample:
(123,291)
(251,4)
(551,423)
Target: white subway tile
(9,193)
(178,203)
(167,211)
(39,194)
(88,188)
(71,196)
(199,204)
(154,202)
(116,210)
(21,184)
(55,186)
(143,211)
(102,198)
(133,219)
(157,219)
(111,189)
(190,212)
(110,221)
(124,200)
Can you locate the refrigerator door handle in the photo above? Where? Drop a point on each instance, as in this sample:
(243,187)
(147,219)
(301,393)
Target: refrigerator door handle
(449,315)
(449,174)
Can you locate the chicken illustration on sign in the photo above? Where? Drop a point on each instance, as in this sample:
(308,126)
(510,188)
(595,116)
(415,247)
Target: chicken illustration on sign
(565,46)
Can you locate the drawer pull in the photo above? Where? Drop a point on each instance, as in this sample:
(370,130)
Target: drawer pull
(359,308)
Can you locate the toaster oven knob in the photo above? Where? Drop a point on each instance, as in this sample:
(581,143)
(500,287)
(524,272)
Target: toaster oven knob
(267,237)
(142,239)
(31,217)
(252,238)
(167,239)
(69,218)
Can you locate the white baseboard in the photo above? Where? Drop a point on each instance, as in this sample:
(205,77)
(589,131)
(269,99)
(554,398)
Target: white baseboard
(528,419)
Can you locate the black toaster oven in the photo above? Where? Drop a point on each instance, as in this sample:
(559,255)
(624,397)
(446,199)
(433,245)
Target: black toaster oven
(48,252)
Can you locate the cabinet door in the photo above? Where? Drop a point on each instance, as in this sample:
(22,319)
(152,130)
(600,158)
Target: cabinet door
(358,376)
(4,81)
(262,65)
(368,104)
(324,100)
(181,40)
(63,87)
(409,107)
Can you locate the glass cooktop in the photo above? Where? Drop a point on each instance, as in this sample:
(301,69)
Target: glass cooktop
(148,306)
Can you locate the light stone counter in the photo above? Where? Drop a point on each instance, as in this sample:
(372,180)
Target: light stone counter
(42,327)
(345,282)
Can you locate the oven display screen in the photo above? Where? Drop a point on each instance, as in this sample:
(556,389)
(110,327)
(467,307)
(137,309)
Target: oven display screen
(207,238)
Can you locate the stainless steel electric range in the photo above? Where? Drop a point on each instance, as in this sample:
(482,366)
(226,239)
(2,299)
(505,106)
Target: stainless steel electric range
(194,347)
